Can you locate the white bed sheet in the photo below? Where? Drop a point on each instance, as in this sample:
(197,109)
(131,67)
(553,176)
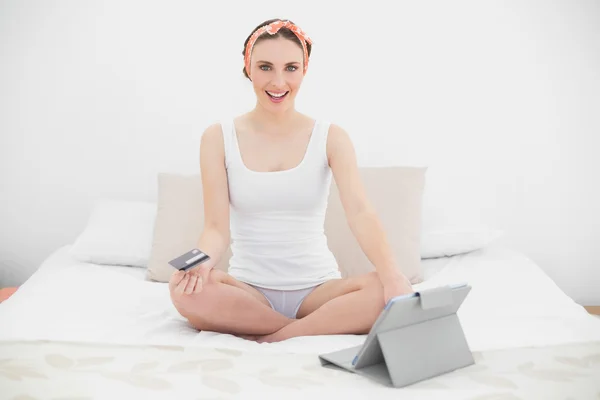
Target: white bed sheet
(512,304)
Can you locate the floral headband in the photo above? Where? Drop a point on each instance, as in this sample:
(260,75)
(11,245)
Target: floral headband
(272,29)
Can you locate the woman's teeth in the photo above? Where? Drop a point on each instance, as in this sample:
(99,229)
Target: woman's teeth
(277,94)
(277,97)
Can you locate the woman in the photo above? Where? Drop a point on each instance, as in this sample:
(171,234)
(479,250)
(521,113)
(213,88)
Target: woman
(274,166)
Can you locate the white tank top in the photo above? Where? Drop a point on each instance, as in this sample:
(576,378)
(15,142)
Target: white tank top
(277,218)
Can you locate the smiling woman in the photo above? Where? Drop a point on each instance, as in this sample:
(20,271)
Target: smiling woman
(274,29)
(266,177)
(276,59)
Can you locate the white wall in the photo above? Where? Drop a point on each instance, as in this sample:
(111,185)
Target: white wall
(501,99)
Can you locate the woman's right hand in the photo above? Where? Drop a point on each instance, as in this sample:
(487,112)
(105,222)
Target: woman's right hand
(189,282)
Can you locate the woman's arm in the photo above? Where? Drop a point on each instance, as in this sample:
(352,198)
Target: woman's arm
(362,218)
(215,237)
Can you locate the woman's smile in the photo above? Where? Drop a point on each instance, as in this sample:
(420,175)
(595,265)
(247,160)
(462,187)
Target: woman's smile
(277,97)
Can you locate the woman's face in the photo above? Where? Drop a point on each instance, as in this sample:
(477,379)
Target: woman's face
(276,70)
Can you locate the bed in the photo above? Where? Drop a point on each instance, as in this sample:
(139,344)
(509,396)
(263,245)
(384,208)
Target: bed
(83,330)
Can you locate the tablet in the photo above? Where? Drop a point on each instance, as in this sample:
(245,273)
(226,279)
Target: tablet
(402,311)
(407,310)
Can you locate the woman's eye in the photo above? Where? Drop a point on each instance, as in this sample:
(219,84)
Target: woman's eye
(289,68)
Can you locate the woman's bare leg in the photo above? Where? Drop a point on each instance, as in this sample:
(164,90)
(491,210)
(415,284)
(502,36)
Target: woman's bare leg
(225,305)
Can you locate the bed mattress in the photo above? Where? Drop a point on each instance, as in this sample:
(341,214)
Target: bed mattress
(79,330)
(512,303)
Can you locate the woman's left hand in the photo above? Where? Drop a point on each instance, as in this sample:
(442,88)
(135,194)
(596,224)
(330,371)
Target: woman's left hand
(395,287)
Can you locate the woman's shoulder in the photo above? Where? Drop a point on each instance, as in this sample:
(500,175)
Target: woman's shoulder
(336,131)
(338,141)
(218,127)
(213,131)
(332,131)
(213,136)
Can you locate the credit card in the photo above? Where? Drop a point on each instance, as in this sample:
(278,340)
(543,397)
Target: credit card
(189,260)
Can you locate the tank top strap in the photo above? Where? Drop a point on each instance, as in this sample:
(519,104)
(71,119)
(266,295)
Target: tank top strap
(228,132)
(320,141)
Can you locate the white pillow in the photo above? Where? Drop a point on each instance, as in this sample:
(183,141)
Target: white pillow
(121,232)
(450,242)
(117,233)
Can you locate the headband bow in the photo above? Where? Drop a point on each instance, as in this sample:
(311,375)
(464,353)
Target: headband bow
(272,29)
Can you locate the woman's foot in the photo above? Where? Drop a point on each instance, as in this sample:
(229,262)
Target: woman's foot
(252,338)
(271,338)
(278,336)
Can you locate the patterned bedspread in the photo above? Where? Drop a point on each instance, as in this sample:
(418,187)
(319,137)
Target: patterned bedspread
(55,370)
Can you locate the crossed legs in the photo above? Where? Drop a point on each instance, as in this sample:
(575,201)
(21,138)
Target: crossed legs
(340,306)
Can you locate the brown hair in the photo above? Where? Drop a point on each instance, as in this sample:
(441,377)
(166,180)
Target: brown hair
(283,32)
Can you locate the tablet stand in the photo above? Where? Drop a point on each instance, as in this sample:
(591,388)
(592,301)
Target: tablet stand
(415,351)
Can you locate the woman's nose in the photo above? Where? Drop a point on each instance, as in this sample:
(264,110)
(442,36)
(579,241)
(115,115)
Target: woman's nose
(278,80)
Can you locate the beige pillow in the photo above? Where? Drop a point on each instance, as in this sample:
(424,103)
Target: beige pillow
(178,225)
(396,193)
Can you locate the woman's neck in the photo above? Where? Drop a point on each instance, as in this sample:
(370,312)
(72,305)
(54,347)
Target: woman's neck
(268,121)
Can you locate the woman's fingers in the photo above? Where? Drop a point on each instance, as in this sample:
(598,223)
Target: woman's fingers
(180,288)
(199,283)
(189,282)
(189,288)
(176,278)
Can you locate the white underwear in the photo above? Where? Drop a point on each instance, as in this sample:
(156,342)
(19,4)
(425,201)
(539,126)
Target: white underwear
(286,302)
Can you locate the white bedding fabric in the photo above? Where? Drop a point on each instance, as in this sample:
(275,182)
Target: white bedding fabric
(512,304)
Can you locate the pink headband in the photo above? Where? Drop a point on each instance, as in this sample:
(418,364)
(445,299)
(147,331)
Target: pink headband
(272,29)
